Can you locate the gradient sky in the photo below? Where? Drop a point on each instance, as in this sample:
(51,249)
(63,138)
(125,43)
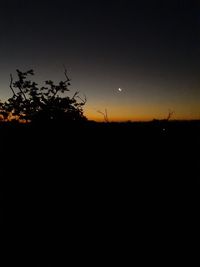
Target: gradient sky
(150,49)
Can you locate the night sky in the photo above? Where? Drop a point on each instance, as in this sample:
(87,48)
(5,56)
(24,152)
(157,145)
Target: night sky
(150,49)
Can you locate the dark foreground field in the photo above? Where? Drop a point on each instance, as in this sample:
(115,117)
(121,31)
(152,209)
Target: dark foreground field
(84,180)
(100,151)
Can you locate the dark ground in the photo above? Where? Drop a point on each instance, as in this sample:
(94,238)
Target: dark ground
(80,181)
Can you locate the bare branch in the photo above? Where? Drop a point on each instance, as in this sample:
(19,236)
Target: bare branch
(105,115)
(22,92)
(11,83)
(83,100)
(170,115)
(99,111)
(65,73)
(75,95)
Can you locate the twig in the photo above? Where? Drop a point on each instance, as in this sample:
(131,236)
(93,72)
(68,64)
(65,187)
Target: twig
(83,100)
(11,82)
(105,115)
(170,115)
(65,73)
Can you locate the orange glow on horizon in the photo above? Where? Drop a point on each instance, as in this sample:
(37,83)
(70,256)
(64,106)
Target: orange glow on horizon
(124,116)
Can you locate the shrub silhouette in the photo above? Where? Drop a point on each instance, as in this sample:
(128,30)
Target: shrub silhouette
(30,103)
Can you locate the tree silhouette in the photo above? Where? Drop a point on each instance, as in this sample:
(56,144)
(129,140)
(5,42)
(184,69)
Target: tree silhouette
(105,115)
(30,103)
(170,115)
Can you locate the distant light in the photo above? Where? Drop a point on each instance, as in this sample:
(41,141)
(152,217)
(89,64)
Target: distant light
(119,89)
(164,129)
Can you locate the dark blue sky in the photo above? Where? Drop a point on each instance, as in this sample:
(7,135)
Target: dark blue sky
(150,49)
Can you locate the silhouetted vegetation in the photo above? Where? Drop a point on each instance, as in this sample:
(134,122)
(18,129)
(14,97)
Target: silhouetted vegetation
(105,115)
(31,103)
